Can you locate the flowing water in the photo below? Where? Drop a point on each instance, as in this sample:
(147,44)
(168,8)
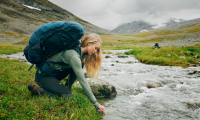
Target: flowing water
(177,97)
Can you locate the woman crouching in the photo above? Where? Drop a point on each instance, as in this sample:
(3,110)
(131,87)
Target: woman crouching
(90,58)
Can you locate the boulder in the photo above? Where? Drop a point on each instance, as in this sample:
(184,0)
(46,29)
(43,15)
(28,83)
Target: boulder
(153,85)
(100,88)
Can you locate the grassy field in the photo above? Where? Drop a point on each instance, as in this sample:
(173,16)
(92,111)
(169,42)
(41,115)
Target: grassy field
(18,103)
(167,56)
(10,49)
(128,40)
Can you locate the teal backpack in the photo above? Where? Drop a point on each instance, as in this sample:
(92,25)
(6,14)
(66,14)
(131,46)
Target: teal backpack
(52,38)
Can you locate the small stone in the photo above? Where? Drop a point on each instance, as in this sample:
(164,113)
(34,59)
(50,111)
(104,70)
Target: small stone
(130,62)
(183,57)
(112,65)
(107,56)
(189,53)
(196,56)
(169,55)
(192,65)
(172,86)
(181,82)
(176,55)
(153,85)
(190,73)
(122,56)
(193,105)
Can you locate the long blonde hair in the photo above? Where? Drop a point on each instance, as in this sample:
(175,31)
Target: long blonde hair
(92,63)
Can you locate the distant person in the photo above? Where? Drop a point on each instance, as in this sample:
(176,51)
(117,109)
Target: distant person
(156,46)
(73,63)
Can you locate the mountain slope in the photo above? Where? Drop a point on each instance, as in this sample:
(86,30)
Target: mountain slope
(133,27)
(182,23)
(25,16)
(139,26)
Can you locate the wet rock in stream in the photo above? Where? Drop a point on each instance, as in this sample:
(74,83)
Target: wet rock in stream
(194,72)
(193,106)
(107,56)
(100,88)
(133,91)
(115,61)
(153,85)
(130,62)
(122,56)
(192,65)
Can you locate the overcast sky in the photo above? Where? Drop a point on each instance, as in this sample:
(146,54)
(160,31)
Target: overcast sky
(109,14)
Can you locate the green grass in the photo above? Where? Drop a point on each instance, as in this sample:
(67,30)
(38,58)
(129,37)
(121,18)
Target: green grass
(18,103)
(116,47)
(9,49)
(166,56)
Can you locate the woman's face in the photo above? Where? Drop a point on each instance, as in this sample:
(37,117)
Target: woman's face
(92,48)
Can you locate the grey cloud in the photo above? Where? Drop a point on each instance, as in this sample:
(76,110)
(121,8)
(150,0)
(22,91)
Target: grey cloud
(140,6)
(110,13)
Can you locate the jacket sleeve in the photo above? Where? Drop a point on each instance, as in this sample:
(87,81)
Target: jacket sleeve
(76,65)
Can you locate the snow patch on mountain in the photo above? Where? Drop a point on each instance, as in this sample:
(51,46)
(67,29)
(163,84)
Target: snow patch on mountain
(31,7)
(159,26)
(144,31)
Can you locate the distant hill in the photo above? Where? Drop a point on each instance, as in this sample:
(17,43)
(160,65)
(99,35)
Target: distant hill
(133,27)
(25,16)
(141,26)
(181,24)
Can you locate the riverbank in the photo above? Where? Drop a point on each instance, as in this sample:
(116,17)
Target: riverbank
(116,68)
(149,92)
(18,103)
(168,56)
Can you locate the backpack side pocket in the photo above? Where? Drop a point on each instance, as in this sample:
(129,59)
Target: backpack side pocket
(47,69)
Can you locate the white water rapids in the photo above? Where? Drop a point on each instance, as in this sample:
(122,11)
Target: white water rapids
(178,97)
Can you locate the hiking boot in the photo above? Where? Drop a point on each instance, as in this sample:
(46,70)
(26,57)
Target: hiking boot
(34,89)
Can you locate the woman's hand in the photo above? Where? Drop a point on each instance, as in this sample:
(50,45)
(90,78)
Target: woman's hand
(101,108)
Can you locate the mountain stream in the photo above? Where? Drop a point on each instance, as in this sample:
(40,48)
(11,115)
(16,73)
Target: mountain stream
(147,92)
(176,97)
